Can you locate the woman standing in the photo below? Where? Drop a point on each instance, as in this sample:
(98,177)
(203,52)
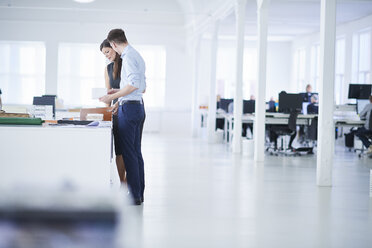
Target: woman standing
(112,80)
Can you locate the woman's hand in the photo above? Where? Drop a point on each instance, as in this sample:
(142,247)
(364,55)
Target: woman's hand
(106,99)
(112,91)
(114,108)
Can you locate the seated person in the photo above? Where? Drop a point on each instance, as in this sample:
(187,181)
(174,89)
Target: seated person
(362,132)
(272,107)
(313,107)
(307,95)
(220,122)
(218,101)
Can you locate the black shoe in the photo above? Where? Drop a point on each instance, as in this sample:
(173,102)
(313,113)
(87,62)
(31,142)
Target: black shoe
(137,201)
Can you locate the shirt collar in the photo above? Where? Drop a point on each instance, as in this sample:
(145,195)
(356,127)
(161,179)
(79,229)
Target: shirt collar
(125,51)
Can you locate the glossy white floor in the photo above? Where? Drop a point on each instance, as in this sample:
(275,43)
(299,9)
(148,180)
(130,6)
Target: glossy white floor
(200,195)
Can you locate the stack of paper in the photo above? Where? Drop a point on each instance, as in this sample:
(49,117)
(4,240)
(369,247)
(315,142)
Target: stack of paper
(45,112)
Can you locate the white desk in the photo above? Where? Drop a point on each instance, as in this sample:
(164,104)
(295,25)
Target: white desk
(348,122)
(271,119)
(54,156)
(282,119)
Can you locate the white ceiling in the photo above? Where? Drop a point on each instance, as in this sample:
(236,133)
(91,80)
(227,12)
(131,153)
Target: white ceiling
(292,18)
(286,17)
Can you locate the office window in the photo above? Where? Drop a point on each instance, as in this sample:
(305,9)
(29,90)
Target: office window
(340,71)
(81,68)
(315,67)
(22,71)
(155,59)
(299,68)
(226,72)
(249,73)
(362,57)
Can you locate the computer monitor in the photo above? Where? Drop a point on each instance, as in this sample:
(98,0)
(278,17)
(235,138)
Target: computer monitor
(224,103)
(290,102)
(46,100)
(248,106)
(361,104)
(359,91)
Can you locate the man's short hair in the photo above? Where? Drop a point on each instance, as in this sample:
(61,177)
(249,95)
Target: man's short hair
(117,36)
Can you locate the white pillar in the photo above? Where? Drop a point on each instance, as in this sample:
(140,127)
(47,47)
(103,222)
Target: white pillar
(51,67)
(212,105)
(348,65)
(195,118)
(238,94)
(326,131)
(370,58)
(259,124)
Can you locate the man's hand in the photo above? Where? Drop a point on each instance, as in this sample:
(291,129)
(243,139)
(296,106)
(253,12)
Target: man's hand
(106,99)
(112,91)
(114,108)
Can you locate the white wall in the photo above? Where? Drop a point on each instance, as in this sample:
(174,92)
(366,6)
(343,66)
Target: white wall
(175,117)
(177,112)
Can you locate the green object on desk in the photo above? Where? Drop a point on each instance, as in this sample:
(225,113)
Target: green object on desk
(20,121)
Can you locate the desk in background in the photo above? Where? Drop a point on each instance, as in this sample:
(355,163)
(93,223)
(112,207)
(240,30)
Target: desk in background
(282,119)
(271,119)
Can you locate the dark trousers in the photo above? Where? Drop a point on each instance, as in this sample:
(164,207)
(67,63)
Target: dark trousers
(362,133)
(130,120)
(143,122)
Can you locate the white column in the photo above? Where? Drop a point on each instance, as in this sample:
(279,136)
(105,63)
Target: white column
(238,94)
(195,115)
(51,67)
(212,105)
(370,58)
(326,131)
(348,64)
(259,124)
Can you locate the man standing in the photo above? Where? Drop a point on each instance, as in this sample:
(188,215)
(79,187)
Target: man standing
(130,111)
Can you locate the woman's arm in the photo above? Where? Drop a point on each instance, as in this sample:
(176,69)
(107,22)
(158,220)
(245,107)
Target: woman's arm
(107,83)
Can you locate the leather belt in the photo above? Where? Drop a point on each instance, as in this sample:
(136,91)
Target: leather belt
(130,102)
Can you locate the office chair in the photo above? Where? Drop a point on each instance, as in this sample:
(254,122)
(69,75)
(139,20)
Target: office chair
(363,151)
(281,131)
(310,137)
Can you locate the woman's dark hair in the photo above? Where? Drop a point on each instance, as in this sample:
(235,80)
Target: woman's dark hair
(117,61)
